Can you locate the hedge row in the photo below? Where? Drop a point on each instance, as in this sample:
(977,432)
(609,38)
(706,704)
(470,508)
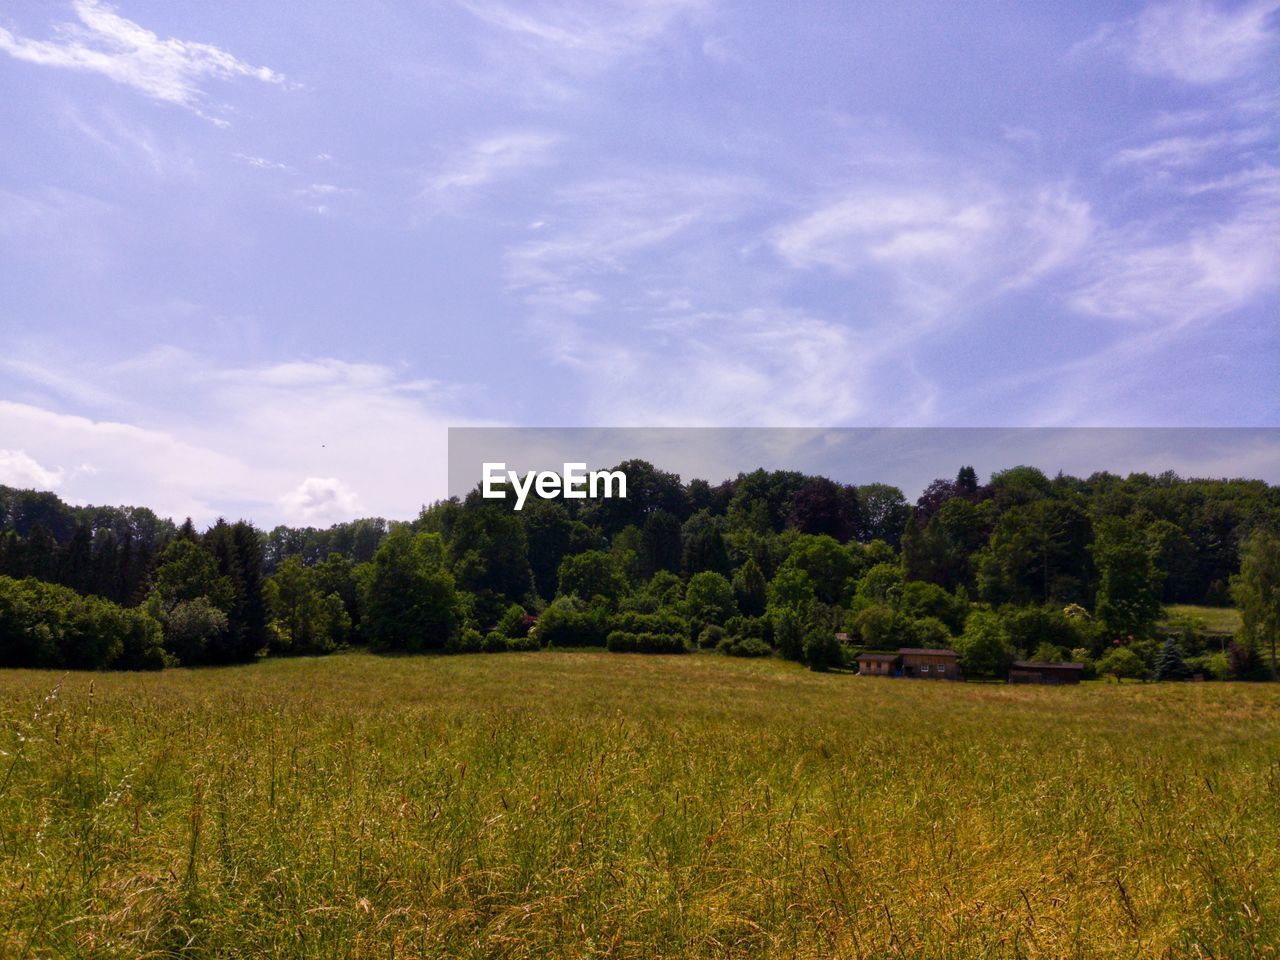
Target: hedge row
(620,641)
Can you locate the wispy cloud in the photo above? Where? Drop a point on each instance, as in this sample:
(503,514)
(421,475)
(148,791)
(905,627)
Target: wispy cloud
(1212,270)
(940,241)
(485,161)
(1192,40)
(591,32)
(103,42)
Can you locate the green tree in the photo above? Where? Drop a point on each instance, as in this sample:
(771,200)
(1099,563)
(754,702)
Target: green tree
(1256,591)
(709,599)
(1129,588)
(1169,664)
(750,589)
(1123,664)
(410,602)
(595,573)
(984,646)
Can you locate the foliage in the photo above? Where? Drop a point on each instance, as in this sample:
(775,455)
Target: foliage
(1256,590)
(1170,665)
(984,645)
(411,602)
(822,650)
(1122,664)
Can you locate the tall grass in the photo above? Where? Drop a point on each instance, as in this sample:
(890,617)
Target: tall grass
(596,805)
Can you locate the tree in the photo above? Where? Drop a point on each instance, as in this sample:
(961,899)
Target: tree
(831,567)
(1256,591)
(1123,664)
(984,646)
(822,650)
(709,599)
(189,627)
(410,601)
(884,513)
(1170,665)
(750,589)
(822,506)
(660,545)
(1129,588)
(303,620)
(595,573)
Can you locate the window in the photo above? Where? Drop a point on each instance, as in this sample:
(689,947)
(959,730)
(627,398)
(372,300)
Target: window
(924,668)
(942,668)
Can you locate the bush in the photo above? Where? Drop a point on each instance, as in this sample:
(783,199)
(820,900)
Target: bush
(566,624)
(1123,664)
(711,637)
(523,644)
(758,628)
(744,647)
(620,641)
(663,621)
(494,642)
(1212,666)
(822,650)
(44,625)
(469,640)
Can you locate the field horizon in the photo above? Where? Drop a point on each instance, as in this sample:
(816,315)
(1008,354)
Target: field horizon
(584,804)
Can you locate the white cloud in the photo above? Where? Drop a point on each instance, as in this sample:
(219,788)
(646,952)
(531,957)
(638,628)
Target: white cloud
(590,31)
(19,470)
(1209,271)
(1187,151)
(233,439)
(1192,41)
(103,42)
(488,160)
(940,242)
(320,501)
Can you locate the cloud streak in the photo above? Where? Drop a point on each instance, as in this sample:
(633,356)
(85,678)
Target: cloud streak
(165,69)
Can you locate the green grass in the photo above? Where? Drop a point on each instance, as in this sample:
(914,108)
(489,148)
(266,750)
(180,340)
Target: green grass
(588,804)
(1215,619)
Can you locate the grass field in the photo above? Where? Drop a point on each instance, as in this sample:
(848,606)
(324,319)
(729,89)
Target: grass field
(588,804)
(1216,619)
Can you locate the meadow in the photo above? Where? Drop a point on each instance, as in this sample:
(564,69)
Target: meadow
(600,805)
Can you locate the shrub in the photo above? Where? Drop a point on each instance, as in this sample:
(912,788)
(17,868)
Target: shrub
(620,641)
(744,647)
(566,624)
(759,628)
(822,650)
(469,640)
(494,642)
(523,644)
(1123,664)
(1212,666)
(711,636)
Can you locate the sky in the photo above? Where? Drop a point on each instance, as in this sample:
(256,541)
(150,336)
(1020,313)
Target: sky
(256,258)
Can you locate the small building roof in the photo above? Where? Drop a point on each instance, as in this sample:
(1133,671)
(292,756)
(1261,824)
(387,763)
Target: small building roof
(926,651)
(1045,665)
(878,655)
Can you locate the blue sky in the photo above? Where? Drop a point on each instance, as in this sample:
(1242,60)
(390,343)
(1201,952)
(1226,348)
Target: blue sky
(255,258)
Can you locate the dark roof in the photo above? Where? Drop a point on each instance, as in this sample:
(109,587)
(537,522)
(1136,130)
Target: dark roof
(878,655)
(1040,665)
(925,651)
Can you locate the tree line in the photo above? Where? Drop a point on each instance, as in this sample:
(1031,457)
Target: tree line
(768,563)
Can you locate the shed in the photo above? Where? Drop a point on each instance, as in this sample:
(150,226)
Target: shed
(930,664)
(1033,671)
(875,664)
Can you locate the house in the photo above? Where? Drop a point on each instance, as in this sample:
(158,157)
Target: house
(1031,671)
(930,664)
(879,664)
